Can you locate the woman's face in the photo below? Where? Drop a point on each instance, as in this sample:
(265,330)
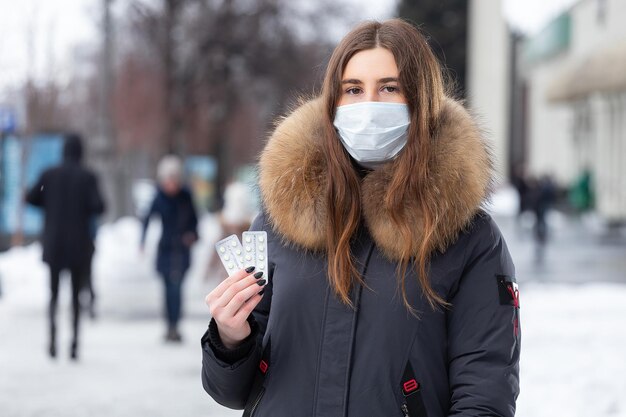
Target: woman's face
(371,75)
(170,186)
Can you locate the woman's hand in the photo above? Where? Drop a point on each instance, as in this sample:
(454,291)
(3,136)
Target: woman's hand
(231,302)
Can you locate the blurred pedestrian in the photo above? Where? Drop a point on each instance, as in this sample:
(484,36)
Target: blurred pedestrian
(174,206)
(235,217)
(70,198)
(520,183)
(389,292)
(238,211)
(581,195)
(543,194)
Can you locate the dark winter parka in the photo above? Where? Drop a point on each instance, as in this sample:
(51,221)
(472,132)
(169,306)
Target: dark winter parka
(70,198)
(312,355)
(178,217)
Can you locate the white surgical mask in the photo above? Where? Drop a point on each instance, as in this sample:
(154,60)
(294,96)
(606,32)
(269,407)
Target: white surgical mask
(373,132)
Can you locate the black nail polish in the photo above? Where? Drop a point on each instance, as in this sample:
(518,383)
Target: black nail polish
(249,269)
(262,291)
(258,274)
(261,282)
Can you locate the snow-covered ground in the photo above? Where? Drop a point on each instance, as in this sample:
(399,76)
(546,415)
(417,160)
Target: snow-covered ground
(572,324)
(125,368)
(573,346)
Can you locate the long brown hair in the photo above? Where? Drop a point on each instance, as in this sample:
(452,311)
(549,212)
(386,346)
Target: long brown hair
(421,81)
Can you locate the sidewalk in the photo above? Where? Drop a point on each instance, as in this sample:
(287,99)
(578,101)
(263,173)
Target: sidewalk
(125,368)
(572,308)
(578,251)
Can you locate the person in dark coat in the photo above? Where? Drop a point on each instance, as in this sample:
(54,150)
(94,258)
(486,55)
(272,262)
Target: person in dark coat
(70,198)
(542,195)
(520,182)
(174,206)
(390,292)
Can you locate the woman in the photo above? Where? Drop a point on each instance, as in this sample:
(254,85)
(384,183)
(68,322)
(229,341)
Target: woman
(173,204)
(235,218)
(390,292)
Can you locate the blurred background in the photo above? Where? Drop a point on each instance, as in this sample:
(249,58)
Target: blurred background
(205,80)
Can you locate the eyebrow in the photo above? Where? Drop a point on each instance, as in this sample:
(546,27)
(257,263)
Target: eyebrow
(381,81)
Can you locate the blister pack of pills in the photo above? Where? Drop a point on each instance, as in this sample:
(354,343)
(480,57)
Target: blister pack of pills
(230,252)
(255,250)
(234,256)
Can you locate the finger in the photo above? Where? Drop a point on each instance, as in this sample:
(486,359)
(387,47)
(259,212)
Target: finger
(241,297)
(228,282)
(229,292)
(235,289)
(247,308)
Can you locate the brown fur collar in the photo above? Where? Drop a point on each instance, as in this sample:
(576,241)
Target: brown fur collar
(293,175)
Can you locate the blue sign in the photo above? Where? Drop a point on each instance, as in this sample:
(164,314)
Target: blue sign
(8,122)
(22,164)
(11,175)
(201,172)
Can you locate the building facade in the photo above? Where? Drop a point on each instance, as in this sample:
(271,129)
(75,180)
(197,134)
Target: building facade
(575,74)
(488,76)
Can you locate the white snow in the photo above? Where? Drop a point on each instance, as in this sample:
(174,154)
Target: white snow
(125,368)
(573,346)
(573,340)
(504,202)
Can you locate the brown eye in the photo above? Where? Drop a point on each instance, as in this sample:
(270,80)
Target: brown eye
(353,90)
(390,89)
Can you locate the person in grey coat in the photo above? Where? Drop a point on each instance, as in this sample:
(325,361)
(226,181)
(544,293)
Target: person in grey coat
(390,291)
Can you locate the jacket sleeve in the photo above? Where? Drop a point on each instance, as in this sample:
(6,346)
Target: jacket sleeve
(146,220)
(483,328)
(229,380)
(35,196)
(95,202)
(193,216)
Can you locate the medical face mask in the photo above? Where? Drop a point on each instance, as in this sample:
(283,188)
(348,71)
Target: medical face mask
(373,132)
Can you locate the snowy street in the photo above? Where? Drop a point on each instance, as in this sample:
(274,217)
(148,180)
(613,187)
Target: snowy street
(125,368)
(573,313)
(573,310)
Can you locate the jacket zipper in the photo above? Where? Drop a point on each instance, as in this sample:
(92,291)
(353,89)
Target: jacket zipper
(405,410)
(256,402)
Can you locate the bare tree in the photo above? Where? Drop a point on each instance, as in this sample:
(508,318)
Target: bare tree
(226,69)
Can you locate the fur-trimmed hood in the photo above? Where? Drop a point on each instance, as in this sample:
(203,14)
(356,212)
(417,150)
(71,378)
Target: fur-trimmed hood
(293,176)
